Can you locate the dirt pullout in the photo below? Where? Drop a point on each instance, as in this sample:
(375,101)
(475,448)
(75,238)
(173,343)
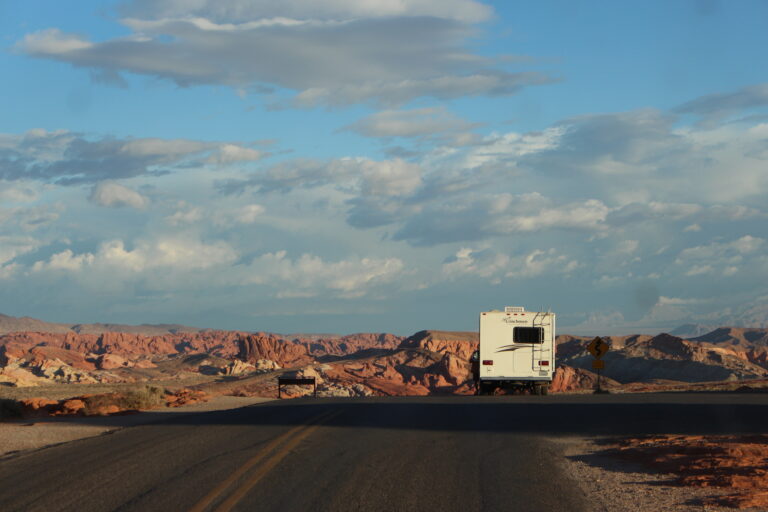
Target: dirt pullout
(679,473)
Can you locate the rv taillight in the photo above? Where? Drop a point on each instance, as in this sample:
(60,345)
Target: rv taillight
(487,362)
(543,363)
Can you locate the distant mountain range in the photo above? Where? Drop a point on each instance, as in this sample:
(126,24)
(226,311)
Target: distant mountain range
(10,324)
(27,324)
(691,330)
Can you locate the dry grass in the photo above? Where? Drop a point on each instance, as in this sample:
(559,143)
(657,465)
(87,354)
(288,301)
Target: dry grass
(147,397)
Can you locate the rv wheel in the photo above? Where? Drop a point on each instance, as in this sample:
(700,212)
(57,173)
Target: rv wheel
(545,389)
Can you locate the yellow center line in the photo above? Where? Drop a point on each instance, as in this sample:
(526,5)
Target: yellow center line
(260,455)
(265,468)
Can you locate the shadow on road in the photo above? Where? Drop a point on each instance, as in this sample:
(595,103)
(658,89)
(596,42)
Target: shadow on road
(585,415)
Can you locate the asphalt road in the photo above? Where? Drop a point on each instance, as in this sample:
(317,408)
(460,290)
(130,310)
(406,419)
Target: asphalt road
(381,454)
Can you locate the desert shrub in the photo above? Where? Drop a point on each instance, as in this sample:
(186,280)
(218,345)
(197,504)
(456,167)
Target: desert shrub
(10,409)
(146,397)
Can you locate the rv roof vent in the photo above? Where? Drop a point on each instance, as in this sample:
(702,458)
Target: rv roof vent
(514,309)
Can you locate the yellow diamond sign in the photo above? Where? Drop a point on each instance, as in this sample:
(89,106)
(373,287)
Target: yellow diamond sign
(597,347)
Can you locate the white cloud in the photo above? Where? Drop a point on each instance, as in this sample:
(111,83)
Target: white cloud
(11,192)
(185,214)
(231,153)
(114,259)
(309,275)
(232,11)
(476,217)
(13,246)
(65,260)
(722,251)
(417,122)
(53,41)
(697,270)
(355,175)
(495,266)
(388,178)
(485,263)
(678,301)
(249,213)
(717,106)
(69,158)
(30,218)
(111,194)
(330,52)
(627,246)
(398,92)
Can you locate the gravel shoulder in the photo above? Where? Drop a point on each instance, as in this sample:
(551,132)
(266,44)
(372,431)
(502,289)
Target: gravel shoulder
(614,485)
(17,437)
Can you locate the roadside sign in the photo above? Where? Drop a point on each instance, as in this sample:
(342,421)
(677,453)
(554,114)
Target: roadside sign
(597,347)
(598,364)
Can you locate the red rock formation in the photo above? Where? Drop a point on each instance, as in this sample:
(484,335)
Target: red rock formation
(220,343)
(268,346)
(460,344)
(107,403)
(405,373)
(350,344)
(112,361)
(186,397)
(38,355)
(567,379)
(35,407)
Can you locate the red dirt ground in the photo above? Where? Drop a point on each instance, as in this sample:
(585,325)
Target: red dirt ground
(738,463)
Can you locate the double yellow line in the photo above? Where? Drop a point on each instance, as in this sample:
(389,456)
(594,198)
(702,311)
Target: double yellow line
(279,448)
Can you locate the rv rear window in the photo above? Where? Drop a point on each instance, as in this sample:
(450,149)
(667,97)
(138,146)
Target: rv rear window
(528,335)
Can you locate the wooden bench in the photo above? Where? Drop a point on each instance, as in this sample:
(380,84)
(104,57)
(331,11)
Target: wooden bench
(293,381)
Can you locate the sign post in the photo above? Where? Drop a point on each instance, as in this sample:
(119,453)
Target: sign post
(597,347)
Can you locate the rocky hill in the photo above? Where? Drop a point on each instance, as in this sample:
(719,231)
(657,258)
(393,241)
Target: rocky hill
(641,358)
(460,344)
(9,324)
(323,345)
(744,338)
(428,362)
(28,357)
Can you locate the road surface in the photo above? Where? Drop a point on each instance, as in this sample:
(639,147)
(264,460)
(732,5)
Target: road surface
(376,454)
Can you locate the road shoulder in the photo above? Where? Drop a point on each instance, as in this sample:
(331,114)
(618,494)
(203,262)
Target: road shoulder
(615,485)
(17,437)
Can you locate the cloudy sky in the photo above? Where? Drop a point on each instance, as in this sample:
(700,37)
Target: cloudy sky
(381,165)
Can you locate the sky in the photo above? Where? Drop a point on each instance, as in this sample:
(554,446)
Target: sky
(378,165)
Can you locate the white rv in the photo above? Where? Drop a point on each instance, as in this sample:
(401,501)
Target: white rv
(517,350)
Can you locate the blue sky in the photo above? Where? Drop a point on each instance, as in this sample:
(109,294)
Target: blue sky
(347,166)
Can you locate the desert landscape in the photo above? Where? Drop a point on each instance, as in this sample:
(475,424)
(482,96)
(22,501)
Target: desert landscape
(45,361)
(99,370)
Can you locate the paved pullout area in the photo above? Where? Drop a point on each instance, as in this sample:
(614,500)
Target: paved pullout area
(430,453)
